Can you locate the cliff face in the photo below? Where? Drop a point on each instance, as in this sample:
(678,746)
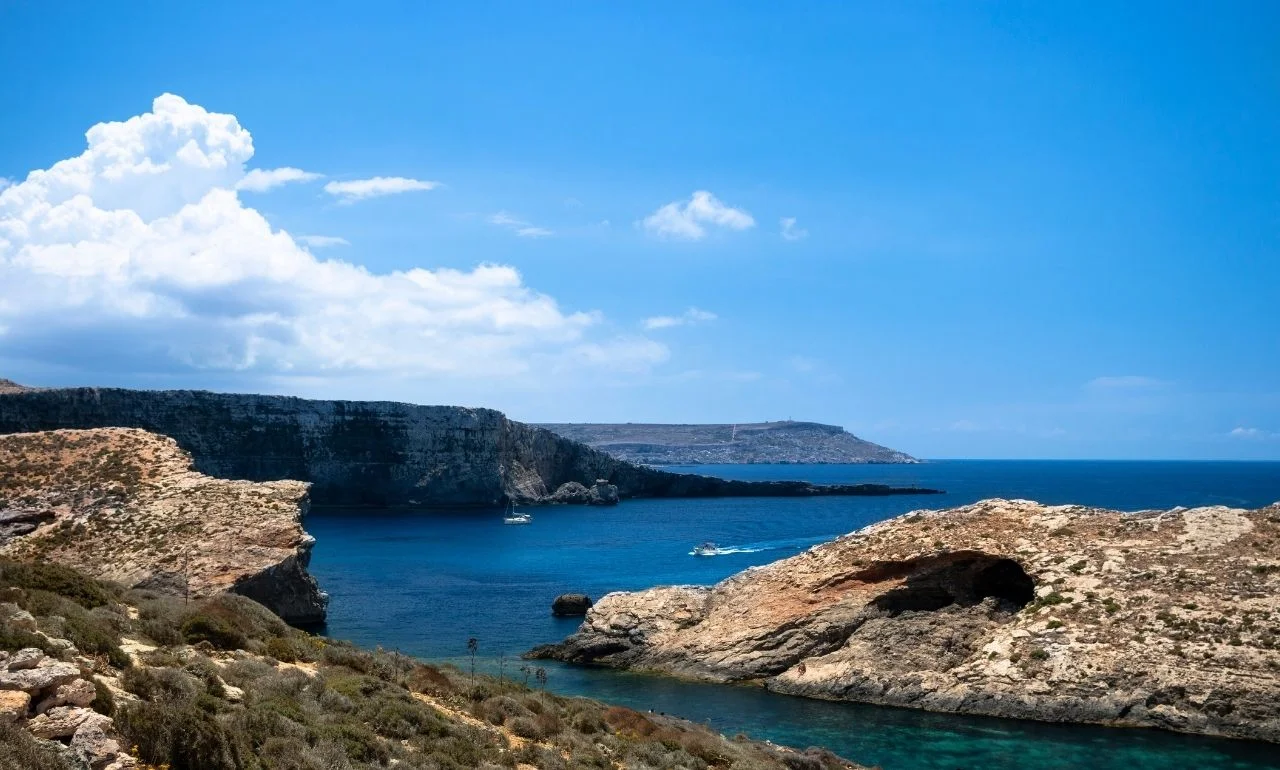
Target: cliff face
(1006,608)
(762,442)
(126,506)
(370,453)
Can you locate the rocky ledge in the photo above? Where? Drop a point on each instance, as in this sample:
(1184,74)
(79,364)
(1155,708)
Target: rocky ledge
(125,505)
(1006,608)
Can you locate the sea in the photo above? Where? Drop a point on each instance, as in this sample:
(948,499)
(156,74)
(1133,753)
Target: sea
(424,582)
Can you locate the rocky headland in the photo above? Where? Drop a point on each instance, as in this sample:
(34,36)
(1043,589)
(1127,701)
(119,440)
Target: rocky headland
(1167,619)
(762,442)
(366,453)
(126,505)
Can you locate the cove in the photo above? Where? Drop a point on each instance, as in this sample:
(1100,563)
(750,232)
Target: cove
(425,582)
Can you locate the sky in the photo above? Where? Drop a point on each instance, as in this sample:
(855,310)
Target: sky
(960,229)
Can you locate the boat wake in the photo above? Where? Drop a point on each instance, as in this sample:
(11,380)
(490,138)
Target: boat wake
(794,544)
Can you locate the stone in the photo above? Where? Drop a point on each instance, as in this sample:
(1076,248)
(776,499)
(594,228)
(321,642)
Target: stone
(63,722)
(22,621)
(78,692)
(48,674)
(26,658)
(603,493)
(951,611)
(13,705)
(93,745)
(570,605)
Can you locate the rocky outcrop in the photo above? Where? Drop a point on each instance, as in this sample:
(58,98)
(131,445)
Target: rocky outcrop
(570,605)
(357,453)
(761,442)
(1007,608)
(51,698)
(125,505)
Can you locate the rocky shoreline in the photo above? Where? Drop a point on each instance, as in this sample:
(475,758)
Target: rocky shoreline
(125,505)
(1166,619)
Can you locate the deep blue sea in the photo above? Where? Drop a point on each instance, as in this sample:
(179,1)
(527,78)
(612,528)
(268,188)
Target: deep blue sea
(424,582)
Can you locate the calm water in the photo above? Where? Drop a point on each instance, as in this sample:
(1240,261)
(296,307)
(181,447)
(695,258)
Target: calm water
(424,582)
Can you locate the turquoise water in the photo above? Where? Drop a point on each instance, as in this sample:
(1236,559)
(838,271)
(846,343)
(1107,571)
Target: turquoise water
(425,582)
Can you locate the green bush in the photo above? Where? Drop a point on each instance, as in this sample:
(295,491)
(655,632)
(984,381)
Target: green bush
(180,736)
(56,579)
(358,742)
(214,630)
(19,750)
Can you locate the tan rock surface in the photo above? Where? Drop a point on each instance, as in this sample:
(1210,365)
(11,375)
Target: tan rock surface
(127,506)
(1005,607)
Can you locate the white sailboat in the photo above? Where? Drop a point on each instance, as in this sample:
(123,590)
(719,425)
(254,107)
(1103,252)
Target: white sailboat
(512,516)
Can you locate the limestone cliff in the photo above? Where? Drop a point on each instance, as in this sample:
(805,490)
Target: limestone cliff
(125,505)
(373,453)
(1007,608)
(761,442)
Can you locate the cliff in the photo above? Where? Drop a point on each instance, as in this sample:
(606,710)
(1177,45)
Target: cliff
(125,505)
(374,453)
(1006,608)
(762,442)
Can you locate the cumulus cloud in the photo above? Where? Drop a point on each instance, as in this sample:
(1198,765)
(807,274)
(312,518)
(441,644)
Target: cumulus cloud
(691,316)
(362,189)
(687,220)
(1251,433)
(323,241)
(261,180)
(5,182)
(138,254)
(520,227)
(789,231)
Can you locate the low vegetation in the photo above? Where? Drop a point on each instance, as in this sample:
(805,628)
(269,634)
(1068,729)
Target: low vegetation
(223,684)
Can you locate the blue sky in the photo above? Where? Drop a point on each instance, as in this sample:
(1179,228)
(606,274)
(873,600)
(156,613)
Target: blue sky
(959,229)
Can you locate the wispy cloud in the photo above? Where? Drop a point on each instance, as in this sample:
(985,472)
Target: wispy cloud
(323,241)
(689,317)
(261,180)
(521,227)
(789,231)
(687,220)
(1252,433)
(1124,382)
(375,187)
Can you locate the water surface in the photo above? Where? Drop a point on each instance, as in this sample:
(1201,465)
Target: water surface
(425,582)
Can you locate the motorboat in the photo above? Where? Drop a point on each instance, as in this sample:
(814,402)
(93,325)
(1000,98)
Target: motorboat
(706,549)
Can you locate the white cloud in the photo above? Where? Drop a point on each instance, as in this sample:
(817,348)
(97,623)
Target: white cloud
(362,189)
(789,230)
(138,256)
(689,317)
(322,241)
(5,182)
(261,180)
(1251,433)
(520,227)
(687,219)
(1124,382)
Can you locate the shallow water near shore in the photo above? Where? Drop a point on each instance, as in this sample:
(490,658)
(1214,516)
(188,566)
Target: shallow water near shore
(424,582)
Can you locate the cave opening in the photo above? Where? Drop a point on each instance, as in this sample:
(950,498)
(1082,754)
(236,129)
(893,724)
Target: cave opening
(964,579)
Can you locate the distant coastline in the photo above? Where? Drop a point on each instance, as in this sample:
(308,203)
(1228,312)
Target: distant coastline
(763,443)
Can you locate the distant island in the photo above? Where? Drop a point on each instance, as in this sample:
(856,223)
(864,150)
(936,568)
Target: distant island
(760,442)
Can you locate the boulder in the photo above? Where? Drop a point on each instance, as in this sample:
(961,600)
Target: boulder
(571,605)
(13,705)
(48,674)
(63,721)
(24,659)
(78,692)
(571,492)
(93,745)
(603,493)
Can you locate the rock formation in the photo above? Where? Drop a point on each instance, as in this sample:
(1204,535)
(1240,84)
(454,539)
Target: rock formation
(1007,608)
(52,698)
(374,453)
(570,605)
(760,442)
(125,505)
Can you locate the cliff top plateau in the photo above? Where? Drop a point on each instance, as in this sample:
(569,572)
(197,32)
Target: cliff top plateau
(377,453)
(125,505)
(761,442)
(1010,608)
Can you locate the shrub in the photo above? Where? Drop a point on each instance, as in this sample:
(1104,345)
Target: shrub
(358,742)
(19,750)
(166,685)
(214,630)
(103,701)
(428,680)
(56,579)
(180,736)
